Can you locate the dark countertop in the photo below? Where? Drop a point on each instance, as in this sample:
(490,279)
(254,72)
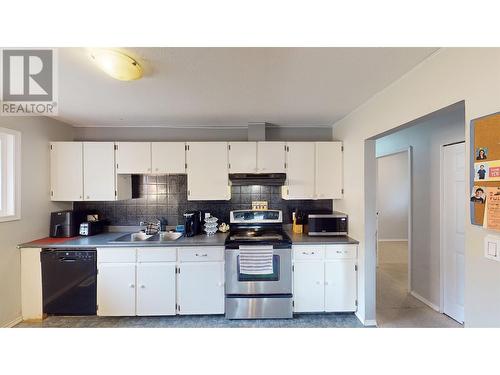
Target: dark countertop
(103,239)
(304,239)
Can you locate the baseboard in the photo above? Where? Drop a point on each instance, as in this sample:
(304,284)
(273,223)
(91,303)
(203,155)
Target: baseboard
(424,300)
(13,322)
(366,322)
(393,240)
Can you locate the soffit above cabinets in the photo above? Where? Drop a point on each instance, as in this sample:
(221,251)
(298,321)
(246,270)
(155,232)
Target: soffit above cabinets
(229,87)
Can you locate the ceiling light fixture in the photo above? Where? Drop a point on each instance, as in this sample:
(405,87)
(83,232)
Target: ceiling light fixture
(116,64)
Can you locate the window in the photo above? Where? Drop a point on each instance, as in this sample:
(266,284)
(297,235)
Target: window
(10,174)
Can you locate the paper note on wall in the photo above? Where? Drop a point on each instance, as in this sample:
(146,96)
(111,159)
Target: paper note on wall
(492,211)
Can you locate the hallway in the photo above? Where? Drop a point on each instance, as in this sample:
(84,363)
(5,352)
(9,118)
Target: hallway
(395,306)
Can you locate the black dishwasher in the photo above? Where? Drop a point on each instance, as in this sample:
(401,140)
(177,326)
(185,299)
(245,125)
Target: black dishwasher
(69,284)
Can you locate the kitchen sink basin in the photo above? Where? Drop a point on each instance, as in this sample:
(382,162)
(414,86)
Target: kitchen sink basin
(149,238)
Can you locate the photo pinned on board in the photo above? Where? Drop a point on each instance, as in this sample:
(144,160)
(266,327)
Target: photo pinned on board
(482,153)
(478,195)
(481,171)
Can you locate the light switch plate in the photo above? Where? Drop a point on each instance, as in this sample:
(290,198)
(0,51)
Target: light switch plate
(492,247)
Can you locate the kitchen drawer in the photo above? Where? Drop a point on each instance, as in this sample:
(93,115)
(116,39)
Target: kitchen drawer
(156,254)
(308,252)
(341,252)
(201,254)
(116,255)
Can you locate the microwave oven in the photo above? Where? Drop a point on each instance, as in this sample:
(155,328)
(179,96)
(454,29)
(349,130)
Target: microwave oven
(331,224)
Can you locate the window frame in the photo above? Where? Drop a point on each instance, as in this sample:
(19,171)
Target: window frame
(10,175)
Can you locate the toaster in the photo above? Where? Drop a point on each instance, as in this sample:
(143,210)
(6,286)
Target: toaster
(91,228)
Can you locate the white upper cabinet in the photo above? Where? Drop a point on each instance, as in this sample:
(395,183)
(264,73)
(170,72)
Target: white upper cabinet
(133,157)
(328,170)
(270,157)
(99,171)
(242,157)
(207,171)
(66,171)
(300,171)
(168,157)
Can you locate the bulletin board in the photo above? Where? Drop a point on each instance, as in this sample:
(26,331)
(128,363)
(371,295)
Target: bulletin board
(485,171)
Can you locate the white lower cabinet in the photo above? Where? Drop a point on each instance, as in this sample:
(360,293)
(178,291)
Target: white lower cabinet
(201,288)
(325,278)
(309,291)
(150,281)
(116,289)
(155,289)
(340,285)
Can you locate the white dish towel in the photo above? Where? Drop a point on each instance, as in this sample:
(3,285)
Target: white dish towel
(256,260)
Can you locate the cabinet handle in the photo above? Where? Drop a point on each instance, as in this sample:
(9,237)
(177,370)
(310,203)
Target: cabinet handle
(326,282)
(201,255)
(311,253)
(143,286)
(156,169)
(318,282)
(88,197)
(132,285)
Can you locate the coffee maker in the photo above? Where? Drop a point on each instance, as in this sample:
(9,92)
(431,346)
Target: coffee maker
(193,223)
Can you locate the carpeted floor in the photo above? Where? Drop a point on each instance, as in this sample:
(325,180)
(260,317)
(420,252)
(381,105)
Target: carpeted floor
(395,306)
(197,321)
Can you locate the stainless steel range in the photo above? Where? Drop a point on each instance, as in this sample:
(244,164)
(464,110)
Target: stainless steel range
(258,262)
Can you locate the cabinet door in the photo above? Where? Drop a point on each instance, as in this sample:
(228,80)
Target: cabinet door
(308,286)
(300,171)
(168,157)
(201,288)
(271,157)
(242,157)
(340,285)
(328,170)
(116,289)
(155,289)
(99,171)
(66,171)
(133,157)
(207,171)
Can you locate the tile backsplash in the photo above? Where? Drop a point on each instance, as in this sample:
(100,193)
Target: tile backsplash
(166,196)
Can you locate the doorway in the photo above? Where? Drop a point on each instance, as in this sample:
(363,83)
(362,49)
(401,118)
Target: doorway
(453,230)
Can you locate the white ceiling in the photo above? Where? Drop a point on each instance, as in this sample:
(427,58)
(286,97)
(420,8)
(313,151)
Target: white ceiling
(229,86)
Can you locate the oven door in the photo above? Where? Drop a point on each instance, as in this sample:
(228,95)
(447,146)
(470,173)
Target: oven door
(278,282)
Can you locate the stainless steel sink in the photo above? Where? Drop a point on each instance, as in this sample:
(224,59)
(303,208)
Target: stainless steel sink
(142,237)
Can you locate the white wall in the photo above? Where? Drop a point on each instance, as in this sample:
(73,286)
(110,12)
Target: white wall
(447,77)
(36,132)
(426,136)
(392,196)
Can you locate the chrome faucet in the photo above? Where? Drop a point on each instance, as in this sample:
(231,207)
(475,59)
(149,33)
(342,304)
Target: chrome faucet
(151,227)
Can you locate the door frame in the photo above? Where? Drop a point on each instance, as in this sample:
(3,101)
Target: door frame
(409,151)
(441,221)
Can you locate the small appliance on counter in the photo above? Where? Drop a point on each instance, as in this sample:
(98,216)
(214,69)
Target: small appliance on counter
(91,228)
(330,224)
(65,223)
(193,223)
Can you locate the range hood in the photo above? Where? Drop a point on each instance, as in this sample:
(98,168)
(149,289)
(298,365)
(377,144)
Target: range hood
(267,179)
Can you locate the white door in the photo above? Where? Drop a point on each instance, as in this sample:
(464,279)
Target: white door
(168,157)
(242,157)
(207,171)
(133,157)
(453,253)
(271,157)
(99,171)
(308,286)
(300,171)
(328,170)
(156,288)
(201,288)
(66,171)
(340,285)
(116,289)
